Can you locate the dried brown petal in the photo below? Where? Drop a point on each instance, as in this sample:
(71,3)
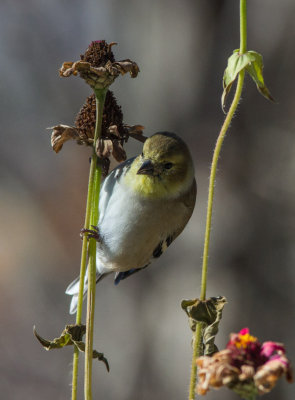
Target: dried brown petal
(118,151)
(247,372)
(113,130)
(135,129)
(104,148)
(125,66)
(267,375)
(61,134)
(215,371)
(136,132)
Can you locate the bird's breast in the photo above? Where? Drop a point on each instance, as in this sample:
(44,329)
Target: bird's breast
(132,227)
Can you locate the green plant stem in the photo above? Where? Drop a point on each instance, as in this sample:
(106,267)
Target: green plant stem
(197,342)
(91,294)
(243,26)
(214,164)
(82,273)
(93,187)
(100,99)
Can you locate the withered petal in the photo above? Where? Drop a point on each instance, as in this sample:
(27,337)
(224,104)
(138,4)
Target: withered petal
(119,153)
(136,132)
(104,148)
(61,134)
(113,129)
(247,372)
(135,129)
(267,375)
(99,77)
(127,65)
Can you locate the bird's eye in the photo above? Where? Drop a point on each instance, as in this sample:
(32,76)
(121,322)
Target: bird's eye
(168,165)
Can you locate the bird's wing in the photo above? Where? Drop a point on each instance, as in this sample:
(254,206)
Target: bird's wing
(109,184)
(159,250)
(119,276)
(189,202)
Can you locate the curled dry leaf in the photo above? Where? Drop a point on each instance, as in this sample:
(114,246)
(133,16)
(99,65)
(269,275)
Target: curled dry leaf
(208,313)
(71,336)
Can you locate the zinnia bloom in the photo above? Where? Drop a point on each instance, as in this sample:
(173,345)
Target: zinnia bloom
(246,366)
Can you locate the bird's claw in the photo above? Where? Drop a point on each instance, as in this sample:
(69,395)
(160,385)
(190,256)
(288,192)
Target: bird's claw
(91,233)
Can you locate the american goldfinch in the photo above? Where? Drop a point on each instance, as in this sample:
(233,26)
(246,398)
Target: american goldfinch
(144,204)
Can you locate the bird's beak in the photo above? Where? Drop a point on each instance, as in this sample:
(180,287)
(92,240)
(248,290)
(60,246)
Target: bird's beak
(146,168)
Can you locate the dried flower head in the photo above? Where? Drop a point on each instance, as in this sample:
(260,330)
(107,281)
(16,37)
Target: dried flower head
(99,69)
(112,116)
(245,366)
(98,66)
(113,133)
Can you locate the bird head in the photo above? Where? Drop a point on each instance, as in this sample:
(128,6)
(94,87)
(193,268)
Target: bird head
(165,167)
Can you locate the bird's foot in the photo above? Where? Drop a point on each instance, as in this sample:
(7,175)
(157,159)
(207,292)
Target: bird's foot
(91,233)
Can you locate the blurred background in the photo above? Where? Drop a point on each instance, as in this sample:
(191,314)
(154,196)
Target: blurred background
(182,49)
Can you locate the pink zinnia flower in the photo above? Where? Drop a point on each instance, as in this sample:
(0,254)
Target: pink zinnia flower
(246,366)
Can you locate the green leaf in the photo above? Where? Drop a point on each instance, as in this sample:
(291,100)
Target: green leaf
(70,336)
(235,64)
(255,71)
(252,62)
(209,313)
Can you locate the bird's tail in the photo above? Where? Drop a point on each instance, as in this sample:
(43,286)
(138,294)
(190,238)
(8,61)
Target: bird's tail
(73,290)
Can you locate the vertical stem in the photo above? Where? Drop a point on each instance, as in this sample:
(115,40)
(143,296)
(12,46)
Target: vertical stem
(100,99)
(92,188)
(214,164)
(82,272)
(243,26)
(197,343)
(197,349)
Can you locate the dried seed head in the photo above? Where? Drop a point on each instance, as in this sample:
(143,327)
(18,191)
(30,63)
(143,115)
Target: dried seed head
(85,120)
(113,134)
(98,53)
(112,120)
(113,117)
